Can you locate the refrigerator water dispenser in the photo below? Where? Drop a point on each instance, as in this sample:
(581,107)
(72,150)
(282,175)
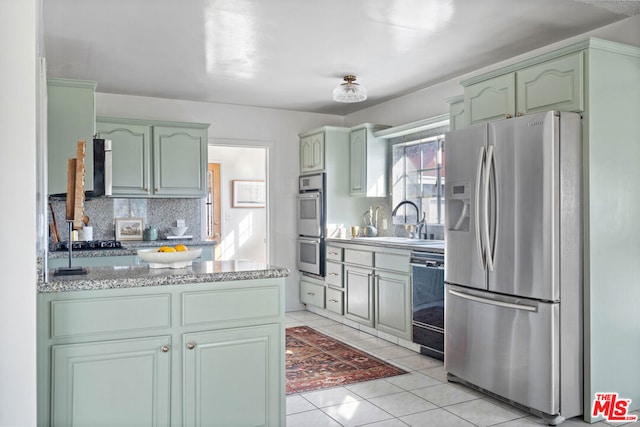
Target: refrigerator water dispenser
(458,209)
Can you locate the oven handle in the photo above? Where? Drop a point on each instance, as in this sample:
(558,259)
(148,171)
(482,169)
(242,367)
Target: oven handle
(309,239)
(314,195)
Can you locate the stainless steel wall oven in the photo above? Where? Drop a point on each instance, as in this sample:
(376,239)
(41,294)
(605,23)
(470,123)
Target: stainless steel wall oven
(311,224)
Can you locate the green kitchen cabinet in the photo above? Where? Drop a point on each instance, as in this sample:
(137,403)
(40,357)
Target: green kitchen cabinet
(71,116)
(393,309)
(111,383)
(131,156)
(359,295)
(312,291)
(227,372)
(368,162)
(156,159)
(456,112)
(312,153)
(173,355)
(556,83)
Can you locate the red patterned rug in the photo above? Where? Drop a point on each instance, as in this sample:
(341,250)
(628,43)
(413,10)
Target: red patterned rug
(316,361)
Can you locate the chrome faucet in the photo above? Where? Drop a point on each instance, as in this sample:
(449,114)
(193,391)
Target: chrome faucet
(408,202)
(422,225)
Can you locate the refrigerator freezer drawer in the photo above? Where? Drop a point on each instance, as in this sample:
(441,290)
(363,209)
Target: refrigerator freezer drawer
(508,346)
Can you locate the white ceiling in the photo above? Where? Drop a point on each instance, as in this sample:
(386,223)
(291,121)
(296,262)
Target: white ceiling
(290,54)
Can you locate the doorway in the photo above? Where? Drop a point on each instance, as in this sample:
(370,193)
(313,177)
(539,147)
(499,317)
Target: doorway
(242,229)
(212,210)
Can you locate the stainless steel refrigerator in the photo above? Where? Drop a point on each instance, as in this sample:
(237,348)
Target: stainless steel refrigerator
(513,261)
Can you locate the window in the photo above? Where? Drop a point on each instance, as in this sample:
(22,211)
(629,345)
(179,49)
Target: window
(418,171)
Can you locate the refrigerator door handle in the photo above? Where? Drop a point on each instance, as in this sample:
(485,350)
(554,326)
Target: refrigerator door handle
(489,247)
(494,302)
(479,245)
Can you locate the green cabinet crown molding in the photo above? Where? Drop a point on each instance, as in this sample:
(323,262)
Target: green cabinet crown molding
(591,43)
(145,122)
(88,84)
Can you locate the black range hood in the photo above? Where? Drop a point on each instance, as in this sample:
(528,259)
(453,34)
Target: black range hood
(101,172)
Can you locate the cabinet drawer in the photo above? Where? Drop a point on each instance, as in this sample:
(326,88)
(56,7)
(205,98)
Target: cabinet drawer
(334,274)
(334,300)
(312,293)
(110,314)
(227,305)
(393,262)
(334,253)
(353,256)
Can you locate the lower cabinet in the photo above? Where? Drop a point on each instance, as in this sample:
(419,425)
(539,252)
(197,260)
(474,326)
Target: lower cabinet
(111,383)
(208,354)
(377,288)
(393,304)
(312,291)
(358,284)
(229,377)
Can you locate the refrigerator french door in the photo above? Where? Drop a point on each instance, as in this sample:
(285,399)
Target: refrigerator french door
(513,261)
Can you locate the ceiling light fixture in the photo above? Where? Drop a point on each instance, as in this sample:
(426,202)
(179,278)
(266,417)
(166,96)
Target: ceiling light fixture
(349,91)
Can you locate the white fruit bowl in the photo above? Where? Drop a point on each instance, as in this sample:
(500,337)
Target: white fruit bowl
(169,259)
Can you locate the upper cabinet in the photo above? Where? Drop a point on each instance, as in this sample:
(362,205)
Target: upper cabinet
(368,162)
(552,84)
(312,153)
(456,112)
(71,116)
(156,159)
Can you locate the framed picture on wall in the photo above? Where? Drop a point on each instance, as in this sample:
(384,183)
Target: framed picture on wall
(248,194)
(129,228)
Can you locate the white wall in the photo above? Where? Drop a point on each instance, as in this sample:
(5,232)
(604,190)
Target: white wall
(276,129)
(243,230)
(18,29)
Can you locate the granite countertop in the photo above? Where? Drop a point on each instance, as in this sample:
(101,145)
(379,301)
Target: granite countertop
(131,248)
(141,275)
(420,245)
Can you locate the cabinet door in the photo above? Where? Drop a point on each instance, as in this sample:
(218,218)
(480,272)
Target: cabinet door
(70,117)
(393,304)
(312,153)
(111,383)
(179,161)
(234,377)
(552,85)
(311,293)
(358,284)
(491,99)
(131,153)
(358,162)
(99,261)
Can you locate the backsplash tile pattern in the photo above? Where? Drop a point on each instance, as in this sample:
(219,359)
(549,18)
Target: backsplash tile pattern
(159,213)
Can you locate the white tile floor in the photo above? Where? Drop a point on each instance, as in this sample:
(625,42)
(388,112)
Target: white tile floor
(423,397)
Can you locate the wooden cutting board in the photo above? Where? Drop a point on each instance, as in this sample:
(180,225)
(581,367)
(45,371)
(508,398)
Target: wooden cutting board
(75,186)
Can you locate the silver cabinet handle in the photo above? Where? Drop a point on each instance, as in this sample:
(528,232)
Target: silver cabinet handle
(165,348)
(333,274)
(191,345)
(334,300)
(311,294)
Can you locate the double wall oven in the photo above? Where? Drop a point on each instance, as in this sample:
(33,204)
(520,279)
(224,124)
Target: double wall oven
(311,224)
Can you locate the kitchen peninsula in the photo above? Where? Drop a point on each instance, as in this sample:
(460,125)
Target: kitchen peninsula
(140,346)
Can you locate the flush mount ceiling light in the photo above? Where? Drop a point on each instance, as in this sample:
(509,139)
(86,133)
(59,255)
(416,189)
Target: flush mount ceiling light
(349,91)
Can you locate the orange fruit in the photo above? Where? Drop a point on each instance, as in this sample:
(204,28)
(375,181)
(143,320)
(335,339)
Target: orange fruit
(180,248)
(166,249)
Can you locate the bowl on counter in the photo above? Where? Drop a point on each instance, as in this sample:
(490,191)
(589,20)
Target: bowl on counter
(169,259)
(178,231)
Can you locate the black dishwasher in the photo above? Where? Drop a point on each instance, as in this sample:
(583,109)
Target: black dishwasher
(428,302)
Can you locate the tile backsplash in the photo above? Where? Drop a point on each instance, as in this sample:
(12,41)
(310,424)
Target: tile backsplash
(158,213)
